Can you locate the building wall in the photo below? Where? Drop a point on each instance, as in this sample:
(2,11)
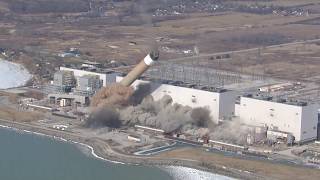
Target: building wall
(221,105)
(78,72)
(227,104)
(279,116)
(63,78)
(309,129)
(58,79)
(237,109)
(88,83)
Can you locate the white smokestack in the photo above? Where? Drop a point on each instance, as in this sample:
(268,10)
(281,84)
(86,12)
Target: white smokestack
(136,72)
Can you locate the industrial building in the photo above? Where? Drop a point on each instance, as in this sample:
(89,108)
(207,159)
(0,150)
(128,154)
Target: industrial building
(220,102)
(290,120)
(68,99)
(282,118)
(88,85)
(75,86)
(63,81)
(106,77)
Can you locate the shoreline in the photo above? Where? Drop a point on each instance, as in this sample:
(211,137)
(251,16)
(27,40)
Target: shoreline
(55,138)
(102,151)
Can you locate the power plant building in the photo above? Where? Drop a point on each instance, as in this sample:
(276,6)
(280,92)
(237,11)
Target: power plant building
(220,102)
(298,119)
(63,78)
(88,84)
(105,77)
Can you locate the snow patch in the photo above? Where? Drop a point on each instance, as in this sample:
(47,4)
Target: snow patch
(12,75)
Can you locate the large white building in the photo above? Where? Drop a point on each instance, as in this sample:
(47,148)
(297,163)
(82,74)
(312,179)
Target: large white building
(298,119)
(220,102)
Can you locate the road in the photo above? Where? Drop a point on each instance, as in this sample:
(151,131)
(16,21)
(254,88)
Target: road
(244,50)
(222,53)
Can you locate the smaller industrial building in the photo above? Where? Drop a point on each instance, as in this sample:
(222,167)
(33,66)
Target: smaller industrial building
(281,117)
(106,77)
(68,99)
(75,86)
(87,85)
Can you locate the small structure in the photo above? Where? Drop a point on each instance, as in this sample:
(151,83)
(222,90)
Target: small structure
(90,64)
(72,52)
(68,99)
(134,138)
(45,108)
(226,146)
(60,127)
(145,128)
(280,87)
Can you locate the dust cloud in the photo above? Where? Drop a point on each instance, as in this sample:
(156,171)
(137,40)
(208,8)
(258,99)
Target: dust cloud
(104,116)
(115,106)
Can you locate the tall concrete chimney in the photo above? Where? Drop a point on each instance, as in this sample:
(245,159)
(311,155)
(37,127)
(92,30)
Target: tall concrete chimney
(137,71)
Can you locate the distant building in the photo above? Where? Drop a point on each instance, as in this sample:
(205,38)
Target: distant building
(90,64)
(72,52)
(299,119)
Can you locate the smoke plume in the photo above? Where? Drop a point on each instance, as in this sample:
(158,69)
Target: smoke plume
(104,116)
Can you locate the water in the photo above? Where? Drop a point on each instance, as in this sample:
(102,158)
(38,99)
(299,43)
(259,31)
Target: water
(27,156)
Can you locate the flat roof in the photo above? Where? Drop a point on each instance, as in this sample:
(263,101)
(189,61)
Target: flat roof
(276,99)
(95,70)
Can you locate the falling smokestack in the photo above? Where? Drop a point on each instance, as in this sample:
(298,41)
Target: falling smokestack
(140,68)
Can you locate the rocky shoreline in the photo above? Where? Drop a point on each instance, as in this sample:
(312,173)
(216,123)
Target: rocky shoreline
(103,151)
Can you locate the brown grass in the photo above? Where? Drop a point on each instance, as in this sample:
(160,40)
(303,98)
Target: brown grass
(268,169)
(14,115)
(13,98)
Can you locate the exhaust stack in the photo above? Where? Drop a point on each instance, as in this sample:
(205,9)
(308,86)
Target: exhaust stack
(137,71)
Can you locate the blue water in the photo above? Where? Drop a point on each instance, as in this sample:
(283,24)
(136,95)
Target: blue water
(31,157)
